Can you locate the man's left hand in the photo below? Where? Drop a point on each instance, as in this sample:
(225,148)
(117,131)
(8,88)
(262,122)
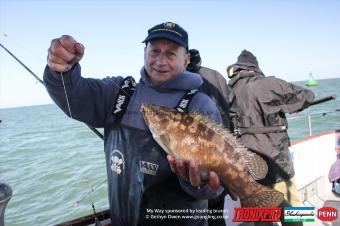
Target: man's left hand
(190,171)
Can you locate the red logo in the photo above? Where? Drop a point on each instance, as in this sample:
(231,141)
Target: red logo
(257,214)
(327,214)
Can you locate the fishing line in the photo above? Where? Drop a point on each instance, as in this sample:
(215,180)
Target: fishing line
(133,99)
(92,204)
(91,189)
(85,194)
(68,104)
(39,80)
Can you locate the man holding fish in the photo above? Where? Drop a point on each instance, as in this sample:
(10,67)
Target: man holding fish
(140,178)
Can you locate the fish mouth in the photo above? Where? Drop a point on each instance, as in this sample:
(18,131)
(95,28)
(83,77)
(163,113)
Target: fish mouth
(143,109)
(147,110)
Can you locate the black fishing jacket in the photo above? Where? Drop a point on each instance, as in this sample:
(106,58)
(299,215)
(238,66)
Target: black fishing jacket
(140,181)
(258,116)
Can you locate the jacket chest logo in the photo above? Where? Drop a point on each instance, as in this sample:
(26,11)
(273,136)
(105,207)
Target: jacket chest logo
(117,162)
(148,167)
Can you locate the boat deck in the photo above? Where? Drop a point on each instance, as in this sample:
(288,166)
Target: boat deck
(327,199)
(313,157)
(315,195)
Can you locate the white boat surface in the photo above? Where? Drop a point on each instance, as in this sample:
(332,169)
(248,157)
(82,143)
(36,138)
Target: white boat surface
(313,157)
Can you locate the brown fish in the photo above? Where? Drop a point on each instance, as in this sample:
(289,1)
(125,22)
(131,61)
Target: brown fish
(195,137)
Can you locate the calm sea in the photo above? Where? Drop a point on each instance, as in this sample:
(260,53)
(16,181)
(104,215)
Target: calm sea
(56,165)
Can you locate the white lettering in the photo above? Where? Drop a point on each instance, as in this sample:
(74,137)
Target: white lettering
(126,84)
(192,91)
(120,101)
(184,103)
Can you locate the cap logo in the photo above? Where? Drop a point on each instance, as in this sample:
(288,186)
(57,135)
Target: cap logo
(170,31)
(169,25)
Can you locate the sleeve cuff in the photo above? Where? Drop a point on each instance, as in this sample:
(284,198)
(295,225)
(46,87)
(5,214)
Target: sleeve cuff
(66,75)
(202,192)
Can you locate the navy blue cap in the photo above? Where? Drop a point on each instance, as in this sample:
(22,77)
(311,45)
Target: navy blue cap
(169,31)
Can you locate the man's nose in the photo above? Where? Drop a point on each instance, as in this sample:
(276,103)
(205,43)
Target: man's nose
(161,59)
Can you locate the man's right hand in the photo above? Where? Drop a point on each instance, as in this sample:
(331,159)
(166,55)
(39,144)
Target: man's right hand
(63,53)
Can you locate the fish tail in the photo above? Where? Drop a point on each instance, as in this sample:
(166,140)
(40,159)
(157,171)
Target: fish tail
(267,197)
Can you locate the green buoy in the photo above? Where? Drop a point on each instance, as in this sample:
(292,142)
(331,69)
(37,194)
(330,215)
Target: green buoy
(311,80)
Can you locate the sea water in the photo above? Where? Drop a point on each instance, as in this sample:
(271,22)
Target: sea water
(56,165)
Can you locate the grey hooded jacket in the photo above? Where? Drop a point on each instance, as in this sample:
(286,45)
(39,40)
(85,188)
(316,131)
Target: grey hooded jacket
(258,116)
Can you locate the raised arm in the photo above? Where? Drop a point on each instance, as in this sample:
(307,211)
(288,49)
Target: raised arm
(90,100)
(284,96)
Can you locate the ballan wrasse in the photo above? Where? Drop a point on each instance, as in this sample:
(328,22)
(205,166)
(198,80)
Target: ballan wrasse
(192,136)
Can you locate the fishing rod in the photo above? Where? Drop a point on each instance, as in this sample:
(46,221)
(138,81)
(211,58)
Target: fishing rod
(298,116)
(318,101)
(39,80)
(321,100)
(309,117)
(22,64)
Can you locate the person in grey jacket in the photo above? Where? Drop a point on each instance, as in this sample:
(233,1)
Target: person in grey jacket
(216,87)
(258,118)
(141,177)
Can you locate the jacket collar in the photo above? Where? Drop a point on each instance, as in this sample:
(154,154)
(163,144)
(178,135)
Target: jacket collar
(183,81)
(243,70)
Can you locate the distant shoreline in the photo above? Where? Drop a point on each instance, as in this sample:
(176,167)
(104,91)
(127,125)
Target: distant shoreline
(300,83)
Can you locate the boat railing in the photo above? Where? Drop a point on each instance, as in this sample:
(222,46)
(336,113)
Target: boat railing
(310,115)
(5,195)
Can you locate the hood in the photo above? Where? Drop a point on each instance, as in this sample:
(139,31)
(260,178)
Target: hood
(234,69)
(241,71)
(183,81)
(245,61)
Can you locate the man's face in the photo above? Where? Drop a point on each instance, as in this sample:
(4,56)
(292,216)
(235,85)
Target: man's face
(164,59)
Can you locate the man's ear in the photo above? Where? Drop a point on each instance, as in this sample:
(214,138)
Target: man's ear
(187,59)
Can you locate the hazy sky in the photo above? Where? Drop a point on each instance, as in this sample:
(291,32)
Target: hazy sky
(289,38)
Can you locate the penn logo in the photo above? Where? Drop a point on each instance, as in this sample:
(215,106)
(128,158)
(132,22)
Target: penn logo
(148,167)
(327,214)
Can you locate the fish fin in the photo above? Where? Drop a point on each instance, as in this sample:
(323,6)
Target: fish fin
(233,195)
(225,133)
(258,168)
(268,197)
(222,131)
(208,122)
(164,141)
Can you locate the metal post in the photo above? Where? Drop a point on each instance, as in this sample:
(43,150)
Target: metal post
(310,125)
